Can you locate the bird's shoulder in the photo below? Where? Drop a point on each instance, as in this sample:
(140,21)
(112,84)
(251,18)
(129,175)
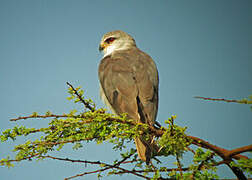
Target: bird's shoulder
(128,60)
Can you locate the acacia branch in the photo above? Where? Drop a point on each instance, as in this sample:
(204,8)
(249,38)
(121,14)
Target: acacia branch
(116,166)
(244,101)
(25,158)
(239,150)
(200,166)
(179,166)
(158,133)
(42,116)
(224,153)
(52,143)
(86,173)
(86,104)
(197,141)
(153,170)
(71,160)
(107,166)
(237,171)
(202,143)
(80,161)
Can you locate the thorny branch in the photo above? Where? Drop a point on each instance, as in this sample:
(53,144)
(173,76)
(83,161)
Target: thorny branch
(159,132)
(172,169)
(123,161)
(226,155)
(179,166)
(244,101)
(202,164)
(107,166)
(42,116)
(86,104)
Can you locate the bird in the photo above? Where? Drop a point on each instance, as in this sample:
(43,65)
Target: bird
(129,84)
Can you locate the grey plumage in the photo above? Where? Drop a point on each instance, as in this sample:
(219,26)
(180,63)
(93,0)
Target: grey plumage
(129,84)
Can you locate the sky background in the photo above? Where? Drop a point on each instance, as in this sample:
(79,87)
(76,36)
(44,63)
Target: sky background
(201,48)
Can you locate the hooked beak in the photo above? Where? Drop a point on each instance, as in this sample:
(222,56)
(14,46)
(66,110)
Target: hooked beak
(102,47)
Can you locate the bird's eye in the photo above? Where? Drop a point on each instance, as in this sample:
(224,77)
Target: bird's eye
(110,40)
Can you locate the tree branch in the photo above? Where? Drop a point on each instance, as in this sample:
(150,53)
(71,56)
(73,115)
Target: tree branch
(226,155)
(159,132)
(202,164)
(239,174)
(116,165)
(244,101)
(218,150)
(42,116)
(179,166)
(239,150)
(86,104)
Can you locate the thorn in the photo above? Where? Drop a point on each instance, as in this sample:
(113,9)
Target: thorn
(160,149)
(152,141)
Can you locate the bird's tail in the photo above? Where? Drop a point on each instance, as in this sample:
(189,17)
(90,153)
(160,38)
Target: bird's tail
(145,149)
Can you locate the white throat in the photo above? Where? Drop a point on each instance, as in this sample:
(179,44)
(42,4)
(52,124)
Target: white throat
(115,47)
(109,50)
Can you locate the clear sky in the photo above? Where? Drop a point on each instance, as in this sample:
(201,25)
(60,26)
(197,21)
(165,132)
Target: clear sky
(201,48)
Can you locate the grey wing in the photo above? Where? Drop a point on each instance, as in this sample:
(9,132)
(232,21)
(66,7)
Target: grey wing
(119,87)
(130,84)
(147,82)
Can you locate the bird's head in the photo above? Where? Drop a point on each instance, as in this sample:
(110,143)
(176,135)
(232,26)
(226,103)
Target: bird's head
(116,40)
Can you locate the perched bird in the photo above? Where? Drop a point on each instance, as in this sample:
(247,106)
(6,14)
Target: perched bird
(129,84)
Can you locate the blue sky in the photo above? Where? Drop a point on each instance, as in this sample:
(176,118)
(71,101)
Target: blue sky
(201,48)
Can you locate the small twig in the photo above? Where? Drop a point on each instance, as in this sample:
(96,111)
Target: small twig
(190,149)
(172,124)
(51,143)
(71,160)
(108,166)
(86,104)
(124,159)
(129,162)
(80,161)
(86,173)
(237,171)
(25,158)
(204,161)
(202,164)
(225,100)
(179,166)
(154,170)
(41,116)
